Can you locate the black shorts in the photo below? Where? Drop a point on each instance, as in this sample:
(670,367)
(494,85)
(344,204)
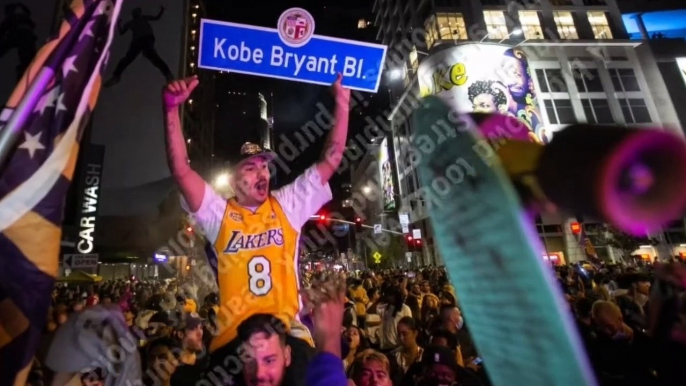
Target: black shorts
(225,365)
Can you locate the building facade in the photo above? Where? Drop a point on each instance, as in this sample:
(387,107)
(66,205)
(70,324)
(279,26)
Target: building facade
(582,68)
(199,112)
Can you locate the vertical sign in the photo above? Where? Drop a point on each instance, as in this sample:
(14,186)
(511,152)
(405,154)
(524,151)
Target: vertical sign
(89,197)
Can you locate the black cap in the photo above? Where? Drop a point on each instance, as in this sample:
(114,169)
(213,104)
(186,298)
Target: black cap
(161,317)
(250,150)
(190,321)
(440,355)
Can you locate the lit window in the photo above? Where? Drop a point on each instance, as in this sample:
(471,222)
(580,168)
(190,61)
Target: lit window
(190,101)
(565,25)
(600,25)
(496,25)
(531,24)
(195,15)
(362,23)
(192,64)
(431,31)
(192,48)
(451,26)
(193,32)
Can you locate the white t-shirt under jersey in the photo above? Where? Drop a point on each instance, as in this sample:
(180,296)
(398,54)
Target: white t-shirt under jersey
(300,200)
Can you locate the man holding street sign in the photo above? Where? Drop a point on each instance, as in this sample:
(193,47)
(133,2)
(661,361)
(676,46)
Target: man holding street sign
(254,235)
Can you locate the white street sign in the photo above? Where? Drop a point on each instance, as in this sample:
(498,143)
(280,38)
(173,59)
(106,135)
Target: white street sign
(417,234)
(406,228)
(79,261)
(404,218)
(377,229)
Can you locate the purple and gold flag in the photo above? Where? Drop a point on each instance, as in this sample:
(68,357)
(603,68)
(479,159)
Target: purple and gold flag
(34,182)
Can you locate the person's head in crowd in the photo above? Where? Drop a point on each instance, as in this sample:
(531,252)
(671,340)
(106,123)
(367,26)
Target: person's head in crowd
(60,314)
(129,317)
(371,368)
(93,377)
(264,351)
(444,339)
(407,332)
(635,283)
(107,300)
(447,298)
(582,308)
(78,306)
(190,330)
(161,359)
(451,316)
(439,367)
(416,290)
(373,294)
(394,298)
(609,321)
(353,336)
(430,302)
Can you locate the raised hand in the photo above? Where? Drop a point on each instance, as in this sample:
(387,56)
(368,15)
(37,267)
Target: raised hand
(178,91)
(327,300)
(342,94)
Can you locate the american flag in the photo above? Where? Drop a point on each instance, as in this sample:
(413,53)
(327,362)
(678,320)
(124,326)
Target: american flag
(34,181)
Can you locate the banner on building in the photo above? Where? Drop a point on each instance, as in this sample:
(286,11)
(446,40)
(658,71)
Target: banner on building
(486,78)
(89,197)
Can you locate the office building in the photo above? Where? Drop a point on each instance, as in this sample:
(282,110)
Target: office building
(582,67)
(199,112)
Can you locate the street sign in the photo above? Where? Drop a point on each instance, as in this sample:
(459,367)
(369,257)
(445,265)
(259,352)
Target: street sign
(406,228)
(377,229)
(404,218)
(77,261)
(417,234)
(377,257)
(290,52)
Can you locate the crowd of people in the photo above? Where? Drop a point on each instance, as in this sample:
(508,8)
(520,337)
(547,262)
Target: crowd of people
(396,328)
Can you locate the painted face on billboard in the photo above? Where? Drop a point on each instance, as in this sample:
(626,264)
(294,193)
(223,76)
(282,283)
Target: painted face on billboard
(514,76)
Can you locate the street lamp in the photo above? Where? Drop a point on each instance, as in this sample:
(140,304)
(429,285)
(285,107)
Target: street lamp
(516,32)
(396,73)
(222,180)
(366,190)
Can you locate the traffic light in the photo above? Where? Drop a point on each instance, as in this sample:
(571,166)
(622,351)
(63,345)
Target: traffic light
(358,224)
(576,228)
(410,243)
(418,244)
(322,217)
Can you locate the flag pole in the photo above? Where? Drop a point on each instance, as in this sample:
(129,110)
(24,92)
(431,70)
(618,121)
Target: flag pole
(9,135)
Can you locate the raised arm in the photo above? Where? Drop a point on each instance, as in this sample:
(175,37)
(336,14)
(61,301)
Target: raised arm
(335,142)
(190,183)
(157,17)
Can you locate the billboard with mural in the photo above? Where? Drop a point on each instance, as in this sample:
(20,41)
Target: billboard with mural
(386,177)
(484,78)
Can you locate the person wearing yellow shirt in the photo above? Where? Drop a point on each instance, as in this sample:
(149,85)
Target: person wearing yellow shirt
(359,295)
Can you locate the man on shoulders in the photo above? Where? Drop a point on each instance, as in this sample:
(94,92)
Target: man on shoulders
(254,235)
